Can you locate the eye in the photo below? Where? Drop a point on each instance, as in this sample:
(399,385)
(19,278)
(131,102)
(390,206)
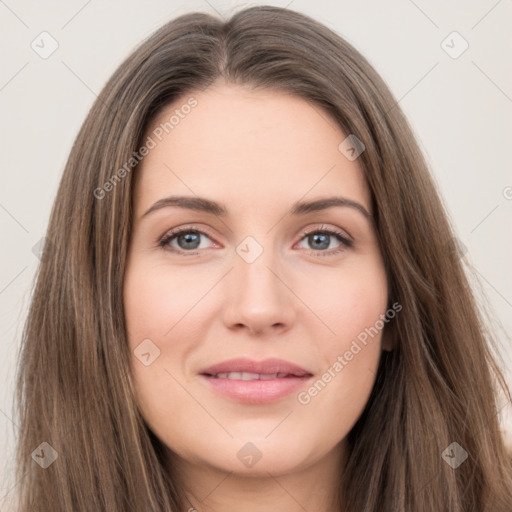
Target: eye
(321,239)
(188,239)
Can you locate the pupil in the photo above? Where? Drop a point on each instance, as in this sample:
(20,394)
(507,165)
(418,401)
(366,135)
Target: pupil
(325,243)
(190,238)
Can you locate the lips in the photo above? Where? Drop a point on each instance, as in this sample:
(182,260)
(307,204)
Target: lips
(250,376)
(277,367)
(255,382)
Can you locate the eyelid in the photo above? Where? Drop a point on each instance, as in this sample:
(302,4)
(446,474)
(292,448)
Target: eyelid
(177,231)
(315,229)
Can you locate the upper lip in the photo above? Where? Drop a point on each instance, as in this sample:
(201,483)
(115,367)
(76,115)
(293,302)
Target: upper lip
(267,366)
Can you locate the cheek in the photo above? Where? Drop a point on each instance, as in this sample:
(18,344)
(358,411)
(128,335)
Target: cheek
(152,307)
(352,307)
(155,300)
(349,302)
(357,317)
(159,310)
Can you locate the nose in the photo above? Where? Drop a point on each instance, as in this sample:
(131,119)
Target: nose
(258,297)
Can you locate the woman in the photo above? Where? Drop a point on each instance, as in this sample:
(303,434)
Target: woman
(261,366)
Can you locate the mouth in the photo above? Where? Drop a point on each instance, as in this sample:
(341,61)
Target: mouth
(253,382)
(250,376)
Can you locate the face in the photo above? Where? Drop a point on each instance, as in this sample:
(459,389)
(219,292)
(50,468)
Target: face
(255,278)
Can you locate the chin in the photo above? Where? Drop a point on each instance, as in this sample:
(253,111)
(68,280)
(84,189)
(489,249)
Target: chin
(254,455)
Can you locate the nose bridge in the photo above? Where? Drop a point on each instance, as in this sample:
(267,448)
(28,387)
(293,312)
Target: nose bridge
(256,267)
(258,296)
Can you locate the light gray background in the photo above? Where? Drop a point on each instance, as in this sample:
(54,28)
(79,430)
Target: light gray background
(460,109)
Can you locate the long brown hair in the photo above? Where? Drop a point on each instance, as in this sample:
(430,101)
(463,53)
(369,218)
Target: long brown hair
(75,391)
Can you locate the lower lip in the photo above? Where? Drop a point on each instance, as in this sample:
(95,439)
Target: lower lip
(256,391)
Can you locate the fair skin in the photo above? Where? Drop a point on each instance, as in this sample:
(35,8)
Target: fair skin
(256,153)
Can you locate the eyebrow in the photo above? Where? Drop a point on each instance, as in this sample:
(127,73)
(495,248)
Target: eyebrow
(299,208)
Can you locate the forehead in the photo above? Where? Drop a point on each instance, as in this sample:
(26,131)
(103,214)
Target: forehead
(236,143)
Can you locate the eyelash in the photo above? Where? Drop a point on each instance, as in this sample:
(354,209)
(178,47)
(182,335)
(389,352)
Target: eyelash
(164,241)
